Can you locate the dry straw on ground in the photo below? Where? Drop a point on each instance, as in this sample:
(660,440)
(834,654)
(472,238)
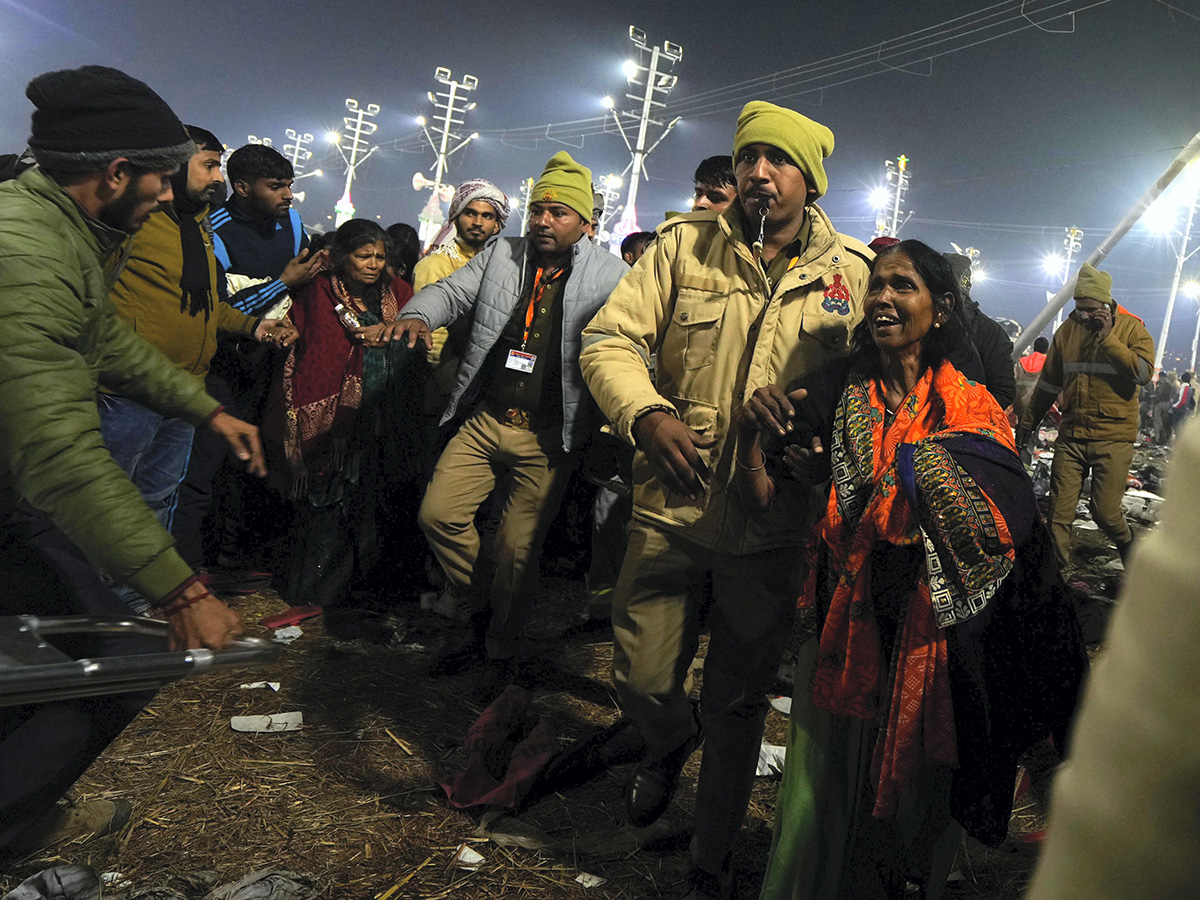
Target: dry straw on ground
(351,798)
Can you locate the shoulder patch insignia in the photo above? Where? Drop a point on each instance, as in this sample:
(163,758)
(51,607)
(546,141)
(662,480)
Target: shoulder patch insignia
(837,297)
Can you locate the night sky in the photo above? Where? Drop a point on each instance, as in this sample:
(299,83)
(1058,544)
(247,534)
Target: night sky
(1030,130)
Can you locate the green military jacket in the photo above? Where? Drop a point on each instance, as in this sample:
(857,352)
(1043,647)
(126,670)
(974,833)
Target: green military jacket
(60,341)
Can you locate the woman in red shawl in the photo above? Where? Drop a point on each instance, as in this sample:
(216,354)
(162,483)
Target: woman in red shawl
(340,405)
(944,646)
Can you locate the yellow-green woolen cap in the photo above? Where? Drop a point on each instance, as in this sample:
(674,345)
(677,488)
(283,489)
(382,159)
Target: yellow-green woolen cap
(565,181)
(1092,284)
(808,143)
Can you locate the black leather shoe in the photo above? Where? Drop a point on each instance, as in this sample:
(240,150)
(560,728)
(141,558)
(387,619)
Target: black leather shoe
(653,784)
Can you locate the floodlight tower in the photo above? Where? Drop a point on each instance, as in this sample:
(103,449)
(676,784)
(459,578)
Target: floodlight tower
(358,130)
(655,81)
(1181,256)
(887,221)
(449,109)
(521,204)
(296,151)
(610,189)
(255,139)
(1072,243)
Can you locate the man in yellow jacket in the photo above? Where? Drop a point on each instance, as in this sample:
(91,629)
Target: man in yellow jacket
(1099,360)
(170,292)
(764,292)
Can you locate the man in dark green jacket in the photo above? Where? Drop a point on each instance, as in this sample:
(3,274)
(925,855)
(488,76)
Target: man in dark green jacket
(106,146)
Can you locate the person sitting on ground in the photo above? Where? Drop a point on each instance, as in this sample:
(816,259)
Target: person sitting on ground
(944,646)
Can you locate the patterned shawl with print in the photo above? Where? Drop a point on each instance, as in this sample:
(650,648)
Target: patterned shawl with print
(900,484)
(327,374)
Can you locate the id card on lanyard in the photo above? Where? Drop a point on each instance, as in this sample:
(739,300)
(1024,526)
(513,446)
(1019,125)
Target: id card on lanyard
(519,360)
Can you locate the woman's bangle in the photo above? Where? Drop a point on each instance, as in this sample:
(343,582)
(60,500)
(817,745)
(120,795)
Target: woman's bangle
(745,468)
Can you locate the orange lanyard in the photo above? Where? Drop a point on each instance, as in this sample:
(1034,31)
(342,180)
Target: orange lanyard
(535,297)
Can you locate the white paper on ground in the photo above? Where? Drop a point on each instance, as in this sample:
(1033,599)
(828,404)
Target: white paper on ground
(287,635)
(466,858)
(256,685)
(770,759)
(589,881)
(783,704)
(288,721)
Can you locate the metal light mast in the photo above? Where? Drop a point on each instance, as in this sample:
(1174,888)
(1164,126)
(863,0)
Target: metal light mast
(1181,257)
(358,130)
(610,188)
(295,151)
(887,221)
(255,139)
(522,204)
(655,82)
(1072,243)
(448,115)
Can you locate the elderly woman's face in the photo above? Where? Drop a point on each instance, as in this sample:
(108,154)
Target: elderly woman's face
(366,264)
(899,308)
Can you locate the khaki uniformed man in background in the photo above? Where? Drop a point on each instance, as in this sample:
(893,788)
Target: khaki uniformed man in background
(1098,361)
(762,293)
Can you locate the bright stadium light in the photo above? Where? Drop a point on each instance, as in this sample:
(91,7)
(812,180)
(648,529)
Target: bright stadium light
(607,102)
(630,68)
(879,197)
(1052,264)
(333,136)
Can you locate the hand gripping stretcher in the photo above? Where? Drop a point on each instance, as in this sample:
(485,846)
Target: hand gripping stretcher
(34,671)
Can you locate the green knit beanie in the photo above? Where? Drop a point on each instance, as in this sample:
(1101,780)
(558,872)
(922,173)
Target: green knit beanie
(805,141)
(1092,284)
(565,181)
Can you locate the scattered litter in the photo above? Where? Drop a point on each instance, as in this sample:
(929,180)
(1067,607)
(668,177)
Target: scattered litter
(1142,505)
(257,685)
(468,859)
(770,759)
(288,721)
(589,881)
(1134,483)
(115,881)
(65,882)
(287,635)
(783,704)
(1114,565)
(269,884)
(1087,525)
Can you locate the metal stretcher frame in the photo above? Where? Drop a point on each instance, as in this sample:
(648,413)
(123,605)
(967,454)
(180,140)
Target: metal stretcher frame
(34,671)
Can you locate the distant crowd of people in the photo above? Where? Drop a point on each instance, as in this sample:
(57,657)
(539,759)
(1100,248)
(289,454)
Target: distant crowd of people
(198,395)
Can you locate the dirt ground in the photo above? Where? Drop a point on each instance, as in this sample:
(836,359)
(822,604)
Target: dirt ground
(351,799)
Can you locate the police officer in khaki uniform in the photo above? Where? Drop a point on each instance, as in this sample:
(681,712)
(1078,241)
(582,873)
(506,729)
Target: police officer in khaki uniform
(764,292)
(1098,361)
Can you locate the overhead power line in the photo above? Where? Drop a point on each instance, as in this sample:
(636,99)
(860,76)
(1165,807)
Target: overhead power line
(911,54)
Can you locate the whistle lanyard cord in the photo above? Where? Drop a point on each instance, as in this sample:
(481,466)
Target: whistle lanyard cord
(535,297)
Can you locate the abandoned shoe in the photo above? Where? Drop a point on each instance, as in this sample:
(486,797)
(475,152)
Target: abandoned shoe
(74,821)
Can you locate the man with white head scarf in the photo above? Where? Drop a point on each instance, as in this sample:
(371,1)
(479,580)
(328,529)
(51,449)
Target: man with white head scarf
(478,212)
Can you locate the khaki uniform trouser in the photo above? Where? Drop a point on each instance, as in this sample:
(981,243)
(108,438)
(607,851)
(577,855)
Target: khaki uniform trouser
(1109,463)
(533,470)
(656,626)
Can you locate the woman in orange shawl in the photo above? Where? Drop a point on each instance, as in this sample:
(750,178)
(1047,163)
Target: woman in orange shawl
(944,647)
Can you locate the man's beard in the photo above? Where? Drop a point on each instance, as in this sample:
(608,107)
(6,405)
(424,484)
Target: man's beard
(118,212)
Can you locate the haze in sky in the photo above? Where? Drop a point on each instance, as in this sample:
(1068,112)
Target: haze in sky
(1015,127)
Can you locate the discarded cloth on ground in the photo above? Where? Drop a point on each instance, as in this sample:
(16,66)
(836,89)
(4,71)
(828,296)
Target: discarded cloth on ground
(509,831)
(506,748)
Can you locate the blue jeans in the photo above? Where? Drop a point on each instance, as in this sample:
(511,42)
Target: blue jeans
(154,451)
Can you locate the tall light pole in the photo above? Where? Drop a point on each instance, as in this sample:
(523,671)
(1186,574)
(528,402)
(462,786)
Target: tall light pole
(448,114)
(296,151)
(654,82)
(1061,268)
(358,130)
(1181,256)
(889,200)
(522,204)
(610,188)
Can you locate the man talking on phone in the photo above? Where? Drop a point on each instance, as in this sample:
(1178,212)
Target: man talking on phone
(1098,361)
